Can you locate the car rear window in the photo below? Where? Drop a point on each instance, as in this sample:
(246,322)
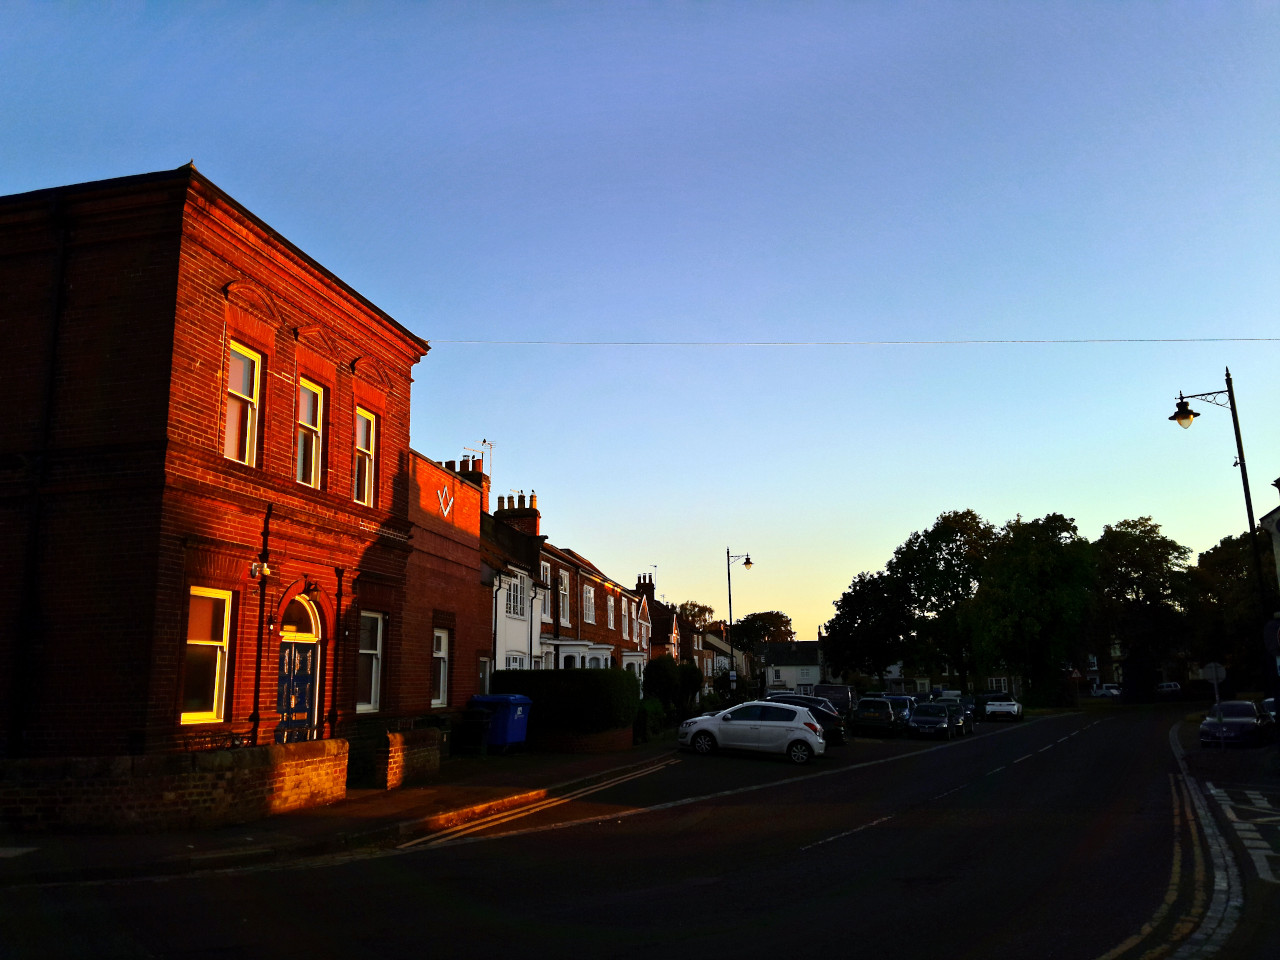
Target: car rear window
(1234,709)
(930,710)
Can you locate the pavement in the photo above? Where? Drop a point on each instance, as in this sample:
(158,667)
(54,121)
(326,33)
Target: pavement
(466,788)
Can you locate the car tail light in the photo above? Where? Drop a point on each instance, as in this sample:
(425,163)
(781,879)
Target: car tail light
(814,727)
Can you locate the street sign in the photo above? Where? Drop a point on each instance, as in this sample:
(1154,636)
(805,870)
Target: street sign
(1213,672)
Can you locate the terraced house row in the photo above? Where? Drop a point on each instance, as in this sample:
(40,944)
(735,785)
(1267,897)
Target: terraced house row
(216,538)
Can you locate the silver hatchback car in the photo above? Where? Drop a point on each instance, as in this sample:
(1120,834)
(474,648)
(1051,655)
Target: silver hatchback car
(757,725)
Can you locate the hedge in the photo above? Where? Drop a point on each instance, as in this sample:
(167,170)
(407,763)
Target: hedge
(579,701)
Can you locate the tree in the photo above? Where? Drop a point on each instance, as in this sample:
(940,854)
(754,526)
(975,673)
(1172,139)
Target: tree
(941,568)
(1224,612)
(699,614)
(1141,593)
(756,628)
(870,630)
(1034,602)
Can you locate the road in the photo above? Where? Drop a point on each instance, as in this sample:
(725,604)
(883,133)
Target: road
(1070,836)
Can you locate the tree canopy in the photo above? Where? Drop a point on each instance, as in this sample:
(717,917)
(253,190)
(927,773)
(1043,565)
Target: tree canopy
(771,626)
(1034,598)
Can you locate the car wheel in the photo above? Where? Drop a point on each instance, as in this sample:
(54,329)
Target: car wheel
(703,743)
(799,753)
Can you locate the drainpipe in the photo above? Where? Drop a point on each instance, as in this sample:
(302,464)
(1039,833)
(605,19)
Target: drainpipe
(497,585)
(263,558)
(339,635)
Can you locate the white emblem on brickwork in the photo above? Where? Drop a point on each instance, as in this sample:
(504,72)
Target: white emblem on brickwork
(446,500)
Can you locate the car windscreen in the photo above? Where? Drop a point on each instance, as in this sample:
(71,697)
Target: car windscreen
(929,710)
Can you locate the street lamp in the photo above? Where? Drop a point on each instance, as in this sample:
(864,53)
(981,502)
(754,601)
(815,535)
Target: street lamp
(1183,417)
(729,561)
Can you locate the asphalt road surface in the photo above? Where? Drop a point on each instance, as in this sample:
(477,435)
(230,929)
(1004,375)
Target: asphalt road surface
(1064,837)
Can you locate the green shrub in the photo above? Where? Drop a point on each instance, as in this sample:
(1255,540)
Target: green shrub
(662,681)
(577,701)
(689,682)
(651,720)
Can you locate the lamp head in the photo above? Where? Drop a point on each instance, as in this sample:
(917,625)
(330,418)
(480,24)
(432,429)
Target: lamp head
(746,564)
(1184,414)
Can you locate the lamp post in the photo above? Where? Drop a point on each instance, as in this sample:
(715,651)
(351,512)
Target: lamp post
(729,561)
(1183,417)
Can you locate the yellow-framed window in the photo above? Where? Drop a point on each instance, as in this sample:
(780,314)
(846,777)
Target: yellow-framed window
(310,432)
(240,431)
(204,668)
(366,456)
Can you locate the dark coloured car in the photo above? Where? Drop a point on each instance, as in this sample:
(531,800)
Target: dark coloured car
(932,720)
(823,711)
(904,705)
(961,719)
(1269,708)
(877,716)
(1236,721)
(842,696)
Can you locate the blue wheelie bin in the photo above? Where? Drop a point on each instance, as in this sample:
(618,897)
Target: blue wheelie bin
(509,725)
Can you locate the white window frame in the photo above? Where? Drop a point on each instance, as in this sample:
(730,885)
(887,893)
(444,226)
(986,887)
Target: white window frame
(379,623)
(517,592)
(440,665)
(309,436)
(364,475)
(221,659)
(588,603)
(612,619)
(999,684)
(626,633)
(565,599)
(249,419)
(515,661)
(545,571)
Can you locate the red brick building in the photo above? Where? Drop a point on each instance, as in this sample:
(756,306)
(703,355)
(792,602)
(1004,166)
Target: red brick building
(587,619)
(448,653)
(206,487)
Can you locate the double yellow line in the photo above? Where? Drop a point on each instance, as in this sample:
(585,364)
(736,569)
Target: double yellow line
(1187,923)
(453,834)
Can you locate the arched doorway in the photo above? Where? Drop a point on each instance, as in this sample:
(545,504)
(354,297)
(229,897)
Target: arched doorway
(298,691)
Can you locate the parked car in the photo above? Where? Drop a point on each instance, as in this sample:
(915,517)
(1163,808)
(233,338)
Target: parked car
(1170,690)
(1107,690)
(961,719)
(932,720)
(904,705)
(780,728)
(966,703)
(843,697)
(877,715)
(1236,721)
(823,710)
(1269,708)
(1004,706)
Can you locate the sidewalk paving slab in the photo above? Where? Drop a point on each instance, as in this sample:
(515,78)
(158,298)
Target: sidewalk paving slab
(466,788)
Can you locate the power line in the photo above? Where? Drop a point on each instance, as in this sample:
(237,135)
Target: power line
(849,343)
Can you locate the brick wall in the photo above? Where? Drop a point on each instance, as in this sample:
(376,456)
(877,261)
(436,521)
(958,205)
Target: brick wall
(174,791)
(115,495)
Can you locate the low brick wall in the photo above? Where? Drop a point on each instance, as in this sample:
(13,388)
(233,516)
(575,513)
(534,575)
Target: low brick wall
(407,757)
(170,791)
(607,741)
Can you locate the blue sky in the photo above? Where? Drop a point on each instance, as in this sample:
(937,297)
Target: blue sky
(788,278)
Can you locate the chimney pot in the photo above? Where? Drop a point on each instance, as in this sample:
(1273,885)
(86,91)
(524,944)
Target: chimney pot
(533,499)
(466,464)
(451,466)
(521,499)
